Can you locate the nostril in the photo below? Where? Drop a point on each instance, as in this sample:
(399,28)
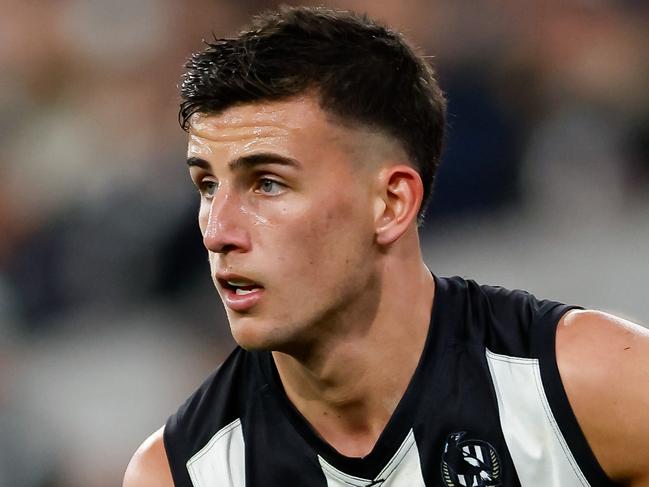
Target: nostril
(222,244)
(227,248)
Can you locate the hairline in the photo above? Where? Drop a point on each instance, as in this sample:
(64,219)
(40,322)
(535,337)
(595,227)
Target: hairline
(332,116)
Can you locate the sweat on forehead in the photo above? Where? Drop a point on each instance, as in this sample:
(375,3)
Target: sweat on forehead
(293,119)
(284,113)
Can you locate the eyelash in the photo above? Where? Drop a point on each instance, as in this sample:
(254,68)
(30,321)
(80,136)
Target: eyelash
(262,180)
(206,186)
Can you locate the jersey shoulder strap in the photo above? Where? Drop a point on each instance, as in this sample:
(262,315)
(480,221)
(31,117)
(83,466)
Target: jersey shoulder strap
(217,403)
(506,321)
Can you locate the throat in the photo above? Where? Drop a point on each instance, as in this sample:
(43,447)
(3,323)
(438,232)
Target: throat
(350,416)
(353,444)
(350,387)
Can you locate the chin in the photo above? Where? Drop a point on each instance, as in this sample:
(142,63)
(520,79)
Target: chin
(253,334)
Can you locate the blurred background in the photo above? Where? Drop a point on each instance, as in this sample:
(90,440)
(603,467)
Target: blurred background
(108,318)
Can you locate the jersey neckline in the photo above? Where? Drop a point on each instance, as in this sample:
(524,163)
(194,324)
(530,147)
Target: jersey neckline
(399,424)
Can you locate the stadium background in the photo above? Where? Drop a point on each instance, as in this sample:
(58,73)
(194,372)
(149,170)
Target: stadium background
(107,314)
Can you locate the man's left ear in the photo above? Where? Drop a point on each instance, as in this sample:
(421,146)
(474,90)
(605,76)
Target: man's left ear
(400,194)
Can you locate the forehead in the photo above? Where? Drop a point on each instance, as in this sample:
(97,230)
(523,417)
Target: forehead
(297,125)
(259,122)
(287,113)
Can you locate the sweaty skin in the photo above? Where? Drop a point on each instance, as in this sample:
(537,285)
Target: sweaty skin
(317,209)
(316,220)
(604,366)
(302,223)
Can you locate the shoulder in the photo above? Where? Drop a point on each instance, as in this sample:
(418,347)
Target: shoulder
(149,466)
(226,387)
(604,365)
(498,300)
(225,396)
(223,393)
(510,322)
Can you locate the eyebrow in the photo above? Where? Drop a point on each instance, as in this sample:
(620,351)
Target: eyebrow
(248,162)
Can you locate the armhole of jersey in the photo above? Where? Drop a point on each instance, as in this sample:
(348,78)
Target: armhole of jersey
(174,444)
(543,347)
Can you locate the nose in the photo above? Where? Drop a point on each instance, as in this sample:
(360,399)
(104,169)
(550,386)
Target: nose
(225,230)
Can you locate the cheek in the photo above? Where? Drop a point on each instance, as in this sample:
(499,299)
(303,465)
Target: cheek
(336,236)
(203,217)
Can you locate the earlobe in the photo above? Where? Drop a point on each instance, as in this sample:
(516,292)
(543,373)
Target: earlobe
(401,191)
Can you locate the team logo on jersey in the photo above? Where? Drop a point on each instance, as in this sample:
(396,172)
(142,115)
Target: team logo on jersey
(469,463)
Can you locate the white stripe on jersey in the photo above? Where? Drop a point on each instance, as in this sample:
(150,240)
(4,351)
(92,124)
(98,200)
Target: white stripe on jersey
(222,461)
(403,469)
(536,445)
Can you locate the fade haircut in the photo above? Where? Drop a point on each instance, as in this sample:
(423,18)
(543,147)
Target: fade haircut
(361,71)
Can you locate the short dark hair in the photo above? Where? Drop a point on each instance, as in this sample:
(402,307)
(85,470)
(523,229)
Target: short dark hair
(361,70)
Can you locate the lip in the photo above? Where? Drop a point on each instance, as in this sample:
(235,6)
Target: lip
(239,302)
(243,302)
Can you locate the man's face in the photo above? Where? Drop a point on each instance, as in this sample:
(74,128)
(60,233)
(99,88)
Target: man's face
(287,217)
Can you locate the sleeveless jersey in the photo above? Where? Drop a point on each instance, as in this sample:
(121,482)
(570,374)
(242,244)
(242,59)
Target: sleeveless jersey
(485,407)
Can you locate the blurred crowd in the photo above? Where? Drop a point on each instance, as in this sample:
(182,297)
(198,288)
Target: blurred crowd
(107,314)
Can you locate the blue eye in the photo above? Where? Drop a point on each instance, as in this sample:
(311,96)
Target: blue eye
(269,186)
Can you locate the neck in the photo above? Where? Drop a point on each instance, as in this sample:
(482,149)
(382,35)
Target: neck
(344,387)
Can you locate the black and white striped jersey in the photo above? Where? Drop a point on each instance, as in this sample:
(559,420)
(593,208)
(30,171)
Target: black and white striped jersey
(485,407)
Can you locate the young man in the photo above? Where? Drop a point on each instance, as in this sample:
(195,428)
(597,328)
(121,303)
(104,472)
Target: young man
(313,141)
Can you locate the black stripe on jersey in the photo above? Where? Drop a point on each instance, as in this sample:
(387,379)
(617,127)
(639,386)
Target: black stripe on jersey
(275,452)
(544,334)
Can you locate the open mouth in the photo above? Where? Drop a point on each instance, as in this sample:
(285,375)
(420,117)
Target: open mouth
(240,294)
(240,287)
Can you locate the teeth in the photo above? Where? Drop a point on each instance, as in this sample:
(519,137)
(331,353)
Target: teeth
(238,283)
(241,292)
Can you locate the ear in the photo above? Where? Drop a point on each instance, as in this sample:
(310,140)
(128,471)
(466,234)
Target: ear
(400,195)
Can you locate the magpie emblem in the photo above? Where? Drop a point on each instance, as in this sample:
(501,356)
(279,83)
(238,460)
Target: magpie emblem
(470,463)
